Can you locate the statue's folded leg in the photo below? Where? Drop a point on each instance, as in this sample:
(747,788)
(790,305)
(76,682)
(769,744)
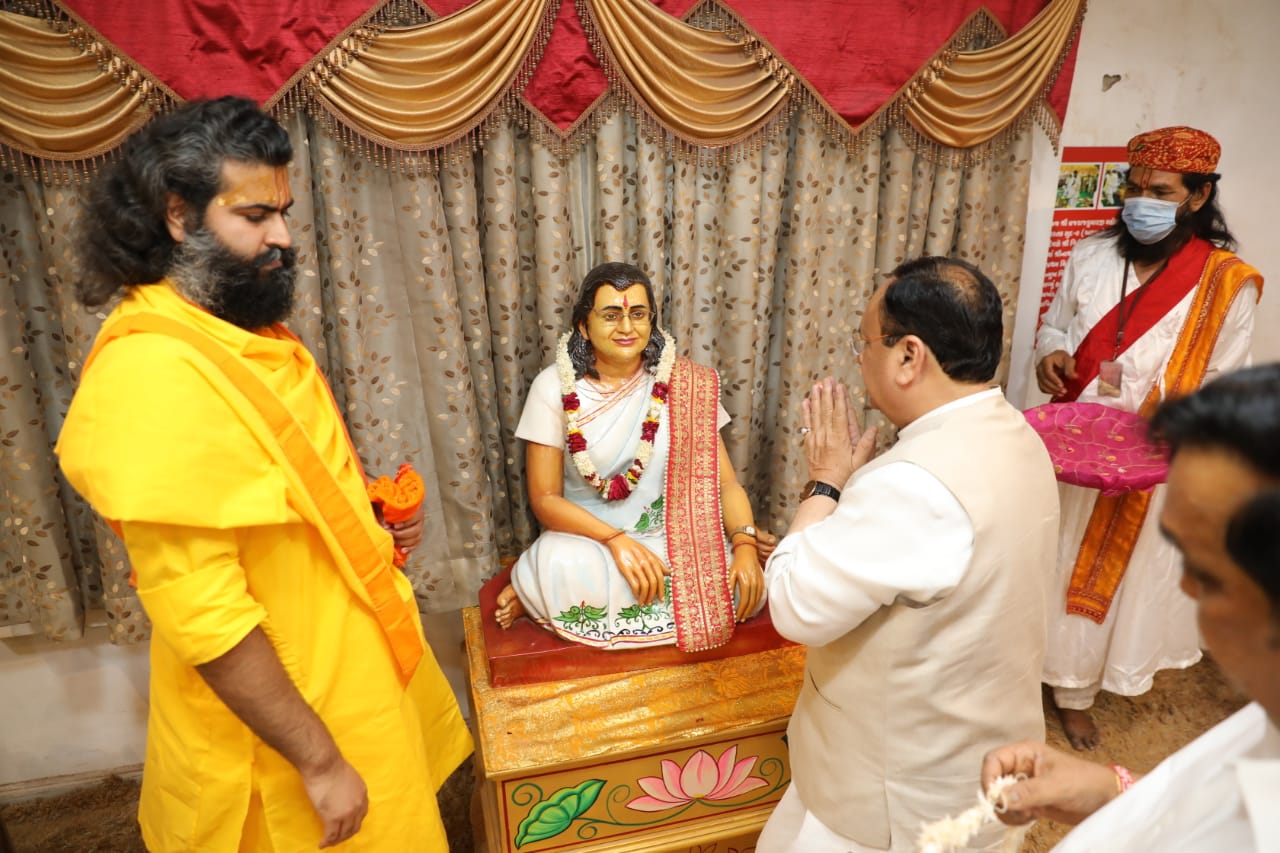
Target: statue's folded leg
(570,585)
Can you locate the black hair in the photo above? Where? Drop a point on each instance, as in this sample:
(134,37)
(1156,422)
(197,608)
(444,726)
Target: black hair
(1253,541)
(123,237)
(620,276)
(951,306)
(1238,413)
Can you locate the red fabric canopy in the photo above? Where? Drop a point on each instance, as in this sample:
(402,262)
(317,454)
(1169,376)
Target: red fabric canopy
(855,54)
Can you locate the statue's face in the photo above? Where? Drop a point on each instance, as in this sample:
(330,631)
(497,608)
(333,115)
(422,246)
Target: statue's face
(619,324)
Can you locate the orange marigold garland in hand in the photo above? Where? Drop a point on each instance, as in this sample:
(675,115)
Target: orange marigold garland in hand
(398,500)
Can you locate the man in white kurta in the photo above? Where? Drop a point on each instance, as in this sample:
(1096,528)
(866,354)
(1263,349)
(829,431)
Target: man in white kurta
(1222,511)
(912,578)
(1217,793)
(1149,625)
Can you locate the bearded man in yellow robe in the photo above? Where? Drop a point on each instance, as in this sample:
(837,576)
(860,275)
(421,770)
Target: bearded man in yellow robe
(294,701)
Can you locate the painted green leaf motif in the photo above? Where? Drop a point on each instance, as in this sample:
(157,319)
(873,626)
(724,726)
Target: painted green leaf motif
(572,616)
(651,516)
(553,815)
(582,614)
(636,612)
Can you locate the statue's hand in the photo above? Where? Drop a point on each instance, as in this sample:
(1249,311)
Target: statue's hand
(643,569)
(746,576)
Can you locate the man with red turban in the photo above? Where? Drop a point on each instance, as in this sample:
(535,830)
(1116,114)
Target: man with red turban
(1149,309)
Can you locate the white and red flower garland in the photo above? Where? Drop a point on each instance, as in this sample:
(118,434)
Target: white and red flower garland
(619,486)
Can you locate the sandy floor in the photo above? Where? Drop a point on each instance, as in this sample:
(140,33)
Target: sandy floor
(1137,732)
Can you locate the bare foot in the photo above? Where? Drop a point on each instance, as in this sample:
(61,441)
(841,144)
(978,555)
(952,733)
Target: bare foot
(1079,728)
(509,608)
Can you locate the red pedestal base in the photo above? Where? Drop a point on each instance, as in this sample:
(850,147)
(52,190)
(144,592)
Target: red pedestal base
(528,654)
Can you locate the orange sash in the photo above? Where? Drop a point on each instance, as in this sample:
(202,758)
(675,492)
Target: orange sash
(1113,527)
(700,593)
(349,540)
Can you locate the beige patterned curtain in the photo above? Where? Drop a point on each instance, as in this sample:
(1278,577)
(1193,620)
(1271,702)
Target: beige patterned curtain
(433,301)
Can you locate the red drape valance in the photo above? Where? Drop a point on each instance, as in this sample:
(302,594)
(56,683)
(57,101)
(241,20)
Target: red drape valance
(413,85)
(854,53)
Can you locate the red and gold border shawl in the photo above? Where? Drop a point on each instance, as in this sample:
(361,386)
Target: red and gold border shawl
(1113,527)
(700,591)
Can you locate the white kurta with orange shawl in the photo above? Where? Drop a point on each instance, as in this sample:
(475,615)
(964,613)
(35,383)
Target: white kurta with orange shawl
(219,547)
(1151,623)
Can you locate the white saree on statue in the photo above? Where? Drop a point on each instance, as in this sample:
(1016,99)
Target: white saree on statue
(569,584)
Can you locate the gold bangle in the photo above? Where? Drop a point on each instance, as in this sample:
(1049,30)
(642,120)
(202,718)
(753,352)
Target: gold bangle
(736,545)
(614,535)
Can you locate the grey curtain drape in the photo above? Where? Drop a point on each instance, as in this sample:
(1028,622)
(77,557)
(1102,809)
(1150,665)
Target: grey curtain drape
(433,301)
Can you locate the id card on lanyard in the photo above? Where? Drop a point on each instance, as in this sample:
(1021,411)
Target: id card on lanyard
(1111,371)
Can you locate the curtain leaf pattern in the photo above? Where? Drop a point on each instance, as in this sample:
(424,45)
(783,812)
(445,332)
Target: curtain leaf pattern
(433,293)
(431,302)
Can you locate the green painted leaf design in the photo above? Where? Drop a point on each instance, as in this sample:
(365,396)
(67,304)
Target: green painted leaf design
(582,615)
(570,617)
(553,815)
(651,517)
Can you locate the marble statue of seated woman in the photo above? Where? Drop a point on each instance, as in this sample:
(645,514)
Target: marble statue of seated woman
(648,538)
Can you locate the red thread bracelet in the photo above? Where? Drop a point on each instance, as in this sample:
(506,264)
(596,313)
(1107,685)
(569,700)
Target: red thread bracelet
(1124,778)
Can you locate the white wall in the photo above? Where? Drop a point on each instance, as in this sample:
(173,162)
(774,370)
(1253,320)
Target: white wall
(1209,65)
(71,707)
(81,706)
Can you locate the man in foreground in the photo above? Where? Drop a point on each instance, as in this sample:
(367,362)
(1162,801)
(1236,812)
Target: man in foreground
(1150,308)
(916,580)
(1222,513)
(294,702)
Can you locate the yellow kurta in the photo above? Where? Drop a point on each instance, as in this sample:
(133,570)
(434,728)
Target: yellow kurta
(159,442)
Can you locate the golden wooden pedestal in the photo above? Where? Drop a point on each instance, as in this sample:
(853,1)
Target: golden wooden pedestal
(683,758)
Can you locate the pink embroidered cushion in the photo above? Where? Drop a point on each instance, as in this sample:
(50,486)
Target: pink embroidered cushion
(1099,447)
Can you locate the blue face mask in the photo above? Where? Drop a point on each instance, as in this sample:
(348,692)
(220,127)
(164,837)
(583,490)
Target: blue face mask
(1150,220)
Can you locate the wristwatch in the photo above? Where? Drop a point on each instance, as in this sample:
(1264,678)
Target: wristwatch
(745,529)
(817,487)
